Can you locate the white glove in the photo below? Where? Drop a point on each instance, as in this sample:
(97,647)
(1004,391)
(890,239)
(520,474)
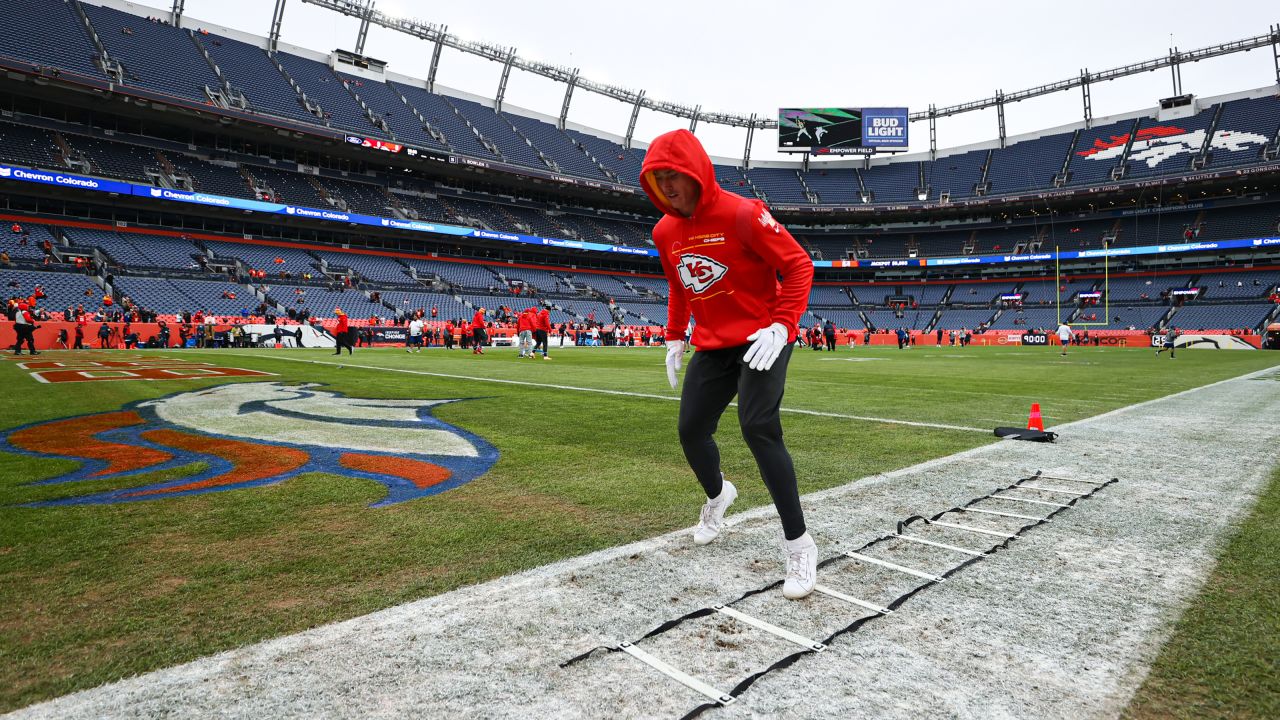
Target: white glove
(675,356)
(766,348)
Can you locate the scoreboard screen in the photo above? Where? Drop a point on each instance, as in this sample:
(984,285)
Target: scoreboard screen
(842,131)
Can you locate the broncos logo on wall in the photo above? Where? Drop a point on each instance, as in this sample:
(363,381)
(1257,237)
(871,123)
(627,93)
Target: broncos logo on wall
(254,434)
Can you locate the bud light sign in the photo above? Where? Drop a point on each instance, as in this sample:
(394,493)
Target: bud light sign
(884,128)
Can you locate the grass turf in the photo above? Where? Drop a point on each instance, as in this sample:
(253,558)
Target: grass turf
(95,593)
(1223,660)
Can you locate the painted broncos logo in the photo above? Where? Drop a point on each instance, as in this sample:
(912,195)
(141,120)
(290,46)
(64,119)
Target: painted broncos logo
(253,434)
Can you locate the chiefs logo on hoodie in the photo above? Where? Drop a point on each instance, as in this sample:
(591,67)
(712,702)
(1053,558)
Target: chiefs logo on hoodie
(699,272)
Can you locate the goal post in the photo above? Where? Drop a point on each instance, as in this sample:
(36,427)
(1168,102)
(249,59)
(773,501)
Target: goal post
(1106,290)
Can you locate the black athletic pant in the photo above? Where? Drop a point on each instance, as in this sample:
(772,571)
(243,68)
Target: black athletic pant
(831,343)
(26,334)
(713,379)
(540,341)
(344,341)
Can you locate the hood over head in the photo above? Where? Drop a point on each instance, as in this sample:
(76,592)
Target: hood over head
(679,150)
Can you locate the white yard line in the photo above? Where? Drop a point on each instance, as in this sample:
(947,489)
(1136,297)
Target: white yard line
(623,393)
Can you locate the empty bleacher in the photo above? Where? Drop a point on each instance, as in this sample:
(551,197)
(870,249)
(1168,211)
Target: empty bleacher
(325,89)
(250,70)
(62,289)
(155,55)
(1219,317)
(61,41)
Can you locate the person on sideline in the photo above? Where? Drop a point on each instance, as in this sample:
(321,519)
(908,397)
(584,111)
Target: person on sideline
(723,255)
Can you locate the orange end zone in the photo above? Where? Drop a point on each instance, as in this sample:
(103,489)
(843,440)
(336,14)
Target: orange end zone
(74,438)
(422,474)
(249,461)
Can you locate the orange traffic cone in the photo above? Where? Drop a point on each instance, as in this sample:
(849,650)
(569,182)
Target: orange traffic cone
(1034,422)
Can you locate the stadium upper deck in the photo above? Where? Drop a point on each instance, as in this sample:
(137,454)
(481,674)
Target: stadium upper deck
(228,75)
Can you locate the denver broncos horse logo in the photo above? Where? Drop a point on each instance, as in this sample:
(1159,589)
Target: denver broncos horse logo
(253,434)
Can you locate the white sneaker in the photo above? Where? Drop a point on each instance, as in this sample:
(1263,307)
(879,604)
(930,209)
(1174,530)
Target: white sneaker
(802,567)
(712,518)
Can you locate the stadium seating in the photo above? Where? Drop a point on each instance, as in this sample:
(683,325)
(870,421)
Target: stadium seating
(956,175)
(155,55)
(324,88)
(1241,221)
(467,275)
(287,187)
(262,257)
(960,319)
(136,250)
(62,289)
(1166,151)
(1027,164)
(833,186)
(1257,117)
(779,185)
(61,42)
(359,197)
(213,178)
(169,296)
(378,268)
(893,183)
(117,159)
(1219,317)
(443,117)
(1138,318)
(29,146)
(732,179)
(624,163)
(386,104)
(32,251)
(250,70)
(1098,151)
(1121,288)
(1029,319)
(1237,284)
(559,146)
(825,295)
(514,147)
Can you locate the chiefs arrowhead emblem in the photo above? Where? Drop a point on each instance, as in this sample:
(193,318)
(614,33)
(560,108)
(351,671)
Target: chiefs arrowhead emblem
(699,272)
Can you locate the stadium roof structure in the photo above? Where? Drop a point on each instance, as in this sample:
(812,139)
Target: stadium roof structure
(440,35)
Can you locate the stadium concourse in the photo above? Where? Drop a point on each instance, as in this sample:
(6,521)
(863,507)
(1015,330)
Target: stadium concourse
(169,183)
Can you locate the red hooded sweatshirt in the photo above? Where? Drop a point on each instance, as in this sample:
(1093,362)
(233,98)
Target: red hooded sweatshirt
(477,322)
(722,264)
(544,321)
(526,321)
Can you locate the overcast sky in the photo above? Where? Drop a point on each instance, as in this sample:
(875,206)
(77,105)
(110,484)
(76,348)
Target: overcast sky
(754,57)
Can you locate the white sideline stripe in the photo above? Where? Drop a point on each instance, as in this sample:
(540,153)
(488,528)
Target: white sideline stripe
(1005,514)
(683,678)
(624,393)
(770,628)
(892,566)
(851,600)
(944,546)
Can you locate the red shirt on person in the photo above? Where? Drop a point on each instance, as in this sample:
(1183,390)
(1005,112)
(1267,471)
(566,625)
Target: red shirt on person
(477,322)
(526,321)
(544,320)
(343,324)
(723,261)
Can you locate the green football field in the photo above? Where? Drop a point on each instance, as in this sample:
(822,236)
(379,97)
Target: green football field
(587,458)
